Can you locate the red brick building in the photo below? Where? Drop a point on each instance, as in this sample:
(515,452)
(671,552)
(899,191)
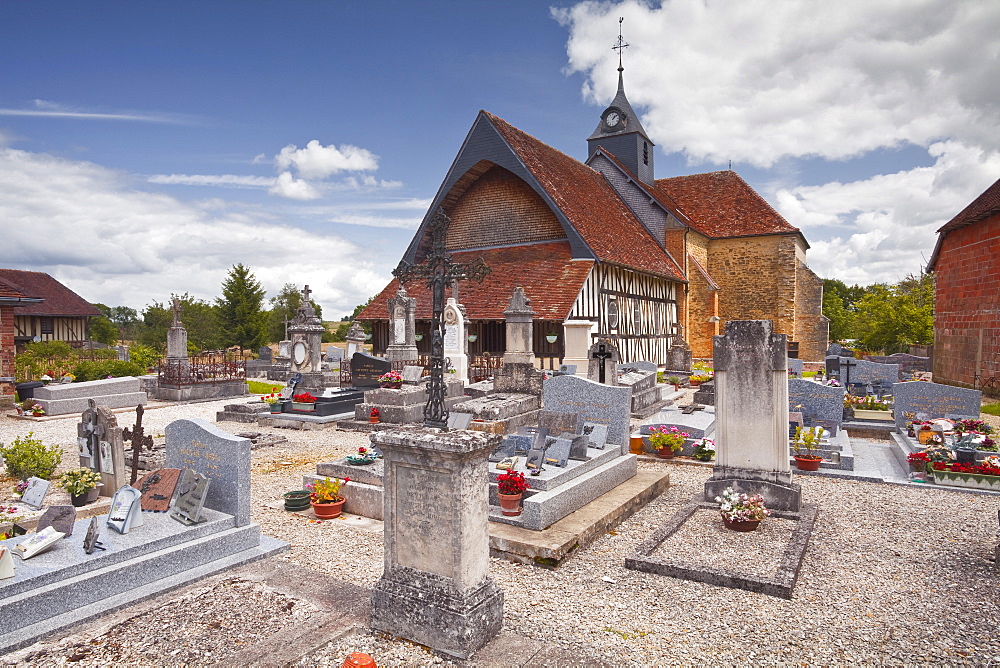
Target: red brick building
(607,242)
(966,264)
(10,298)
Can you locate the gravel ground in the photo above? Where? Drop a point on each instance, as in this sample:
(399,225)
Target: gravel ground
(893,574)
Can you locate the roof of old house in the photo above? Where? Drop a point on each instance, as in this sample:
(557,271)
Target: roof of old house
(591,205)
(981,208)
(58,299)
(721,205)
(547,271)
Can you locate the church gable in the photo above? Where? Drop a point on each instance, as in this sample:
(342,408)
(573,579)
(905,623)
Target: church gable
(498,208)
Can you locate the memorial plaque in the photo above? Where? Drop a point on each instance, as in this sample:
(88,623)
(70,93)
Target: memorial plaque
(451,337)
(126,510)
(558,452)
(90,542)
(504,450)
(107,462)
(459,420)
(558,422)
(191,492)
(413,374)
(366,369)
(157,489)
(34,494)
(815,401)
(60,518)
(578,446)
(536,458)
(597,433)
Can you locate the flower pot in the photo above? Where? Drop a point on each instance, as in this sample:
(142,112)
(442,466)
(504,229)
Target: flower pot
(83,499)
(302,406)
(373,419)
(275,408)
(510,504)
(694,383)
(328,511)
(665,453)
(391,386)
(635,444)
(862,414)
(747,525)
(808,463)
(296,500)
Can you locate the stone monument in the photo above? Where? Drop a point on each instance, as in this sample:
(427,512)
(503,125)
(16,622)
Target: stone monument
(518,373)
(751,415)
(102,447)
(576,337)
(679,354)
(177,340)
(355,338)
(435,588)
(306,331)
(402,323)
(455,339)
(602,361)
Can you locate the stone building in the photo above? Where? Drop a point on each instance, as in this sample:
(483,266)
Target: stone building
(604,241)
(966,266)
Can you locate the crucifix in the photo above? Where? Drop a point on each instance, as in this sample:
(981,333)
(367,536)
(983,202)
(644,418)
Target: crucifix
(621,45)
(846,364)
(138,440)
(439,271)
(603,354)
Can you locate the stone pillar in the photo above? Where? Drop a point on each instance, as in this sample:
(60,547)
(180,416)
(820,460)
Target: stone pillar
(576,336)
(177,342)
(435,589)
(751,415)
(454,339)
(355,340)
(520,319)
(402,327)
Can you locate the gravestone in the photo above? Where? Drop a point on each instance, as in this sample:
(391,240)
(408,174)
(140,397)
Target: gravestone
(355,338)
(567,369)
(402,327)
(192,492)
(412,374)
(795,367)
(334,354)
(284,351)
(102,447)
(264,354)
(435,588)
(60,518)
(577,339)
(833,366)
(177,337)
(158,489)
(455,339)
(366,369)
(751,408)
(594,402)
(603,362)
(679,354)
(815,401)
(868,373)
(518,373)
(839,351)
(34,493)
(223,458)
(923,400)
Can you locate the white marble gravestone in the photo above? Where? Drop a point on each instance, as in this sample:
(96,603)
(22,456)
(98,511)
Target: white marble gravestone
(402,327)
(454,339)
(751,415)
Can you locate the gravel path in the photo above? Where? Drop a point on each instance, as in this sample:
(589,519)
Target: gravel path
(893,575)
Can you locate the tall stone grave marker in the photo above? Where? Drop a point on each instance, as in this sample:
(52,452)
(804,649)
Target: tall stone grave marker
(603,360)
(355,338)
(518,373)
(454,339)
(435,588)
(306,331)
(223,458)
(679,354)
(177,342)
(576,346)
(402,327)
(596,403)
(102,447)
(751,415)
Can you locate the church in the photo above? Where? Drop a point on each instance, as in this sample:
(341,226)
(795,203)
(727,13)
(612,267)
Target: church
(645,259)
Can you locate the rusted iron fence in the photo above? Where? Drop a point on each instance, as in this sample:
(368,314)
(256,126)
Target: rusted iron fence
(201,370)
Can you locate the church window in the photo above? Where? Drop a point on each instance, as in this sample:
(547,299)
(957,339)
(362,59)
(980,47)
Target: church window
(613,314)
(645,153)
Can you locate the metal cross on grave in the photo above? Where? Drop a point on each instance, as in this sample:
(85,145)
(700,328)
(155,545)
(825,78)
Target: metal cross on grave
(439,271)
(602,354)
(138,441)
(846,364)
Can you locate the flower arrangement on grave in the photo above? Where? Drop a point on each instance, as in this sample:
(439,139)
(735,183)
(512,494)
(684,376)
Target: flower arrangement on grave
(737,507)
(866,403)
(363,457)
(20,488)
(327,490)
(272,398)
(974,426)
(68,378)
(699,378)
(806,443)
(391,380)
(833,382)
(79,481)
(988,444)
(937,452)
(304,398)
(511,482)
(704,450)
(8,514)
(670,438)
(990,466)
(37,411)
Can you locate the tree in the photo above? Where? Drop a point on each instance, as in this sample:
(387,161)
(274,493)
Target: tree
(125,319)
(201,320)
(891,317)
(240,309)
(283,307)
(103,331)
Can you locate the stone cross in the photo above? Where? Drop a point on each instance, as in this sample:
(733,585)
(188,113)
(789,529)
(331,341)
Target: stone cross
(602,354)
(846,364)
(305,293)
(439,271)
(176,308)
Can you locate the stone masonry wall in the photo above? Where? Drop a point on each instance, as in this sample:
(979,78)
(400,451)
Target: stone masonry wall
(499,208)
(703,302)
(6,348)
(967,304)
(812,328)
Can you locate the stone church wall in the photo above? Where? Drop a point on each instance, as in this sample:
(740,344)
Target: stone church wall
(812,328)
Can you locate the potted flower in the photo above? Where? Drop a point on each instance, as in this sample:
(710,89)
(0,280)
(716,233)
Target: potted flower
(704,450)
(273,400)
(37,411)
(82,485)
(925,433)
(870,408)
(918,462)
(510,488)
(303,402)
(325,497)
(363,458)
(698,378)
(741,512)
(392,380)
(806,443)
(975,476)
(374,416)
(675,381)
(667,441)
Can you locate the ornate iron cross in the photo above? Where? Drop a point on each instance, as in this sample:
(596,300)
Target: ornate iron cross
(138,441)
(439,271)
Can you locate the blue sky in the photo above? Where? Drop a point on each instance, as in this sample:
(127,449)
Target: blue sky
(146,147)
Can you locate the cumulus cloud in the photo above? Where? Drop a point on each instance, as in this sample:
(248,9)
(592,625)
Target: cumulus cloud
(288,186)
(316,161)
(757,81)
(87,226)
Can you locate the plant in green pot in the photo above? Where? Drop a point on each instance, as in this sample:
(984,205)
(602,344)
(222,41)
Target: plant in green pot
(82,485)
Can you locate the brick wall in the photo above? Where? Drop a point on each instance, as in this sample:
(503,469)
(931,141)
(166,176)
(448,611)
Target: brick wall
(812,328)
(967,304)
(499,208)
(6,347)
(703,300)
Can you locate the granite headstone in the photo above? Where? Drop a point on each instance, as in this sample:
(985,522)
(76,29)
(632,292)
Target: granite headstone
(601,404)
(61,518)
(366,369)
(815,401)
(933,400)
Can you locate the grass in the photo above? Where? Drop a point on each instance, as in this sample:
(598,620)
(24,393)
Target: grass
(991,409)
(258,387)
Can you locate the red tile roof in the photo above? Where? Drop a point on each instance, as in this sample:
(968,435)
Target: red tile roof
(721,204)
(981,208)
(547,271)
(591,205)
(9,292)
(59,300)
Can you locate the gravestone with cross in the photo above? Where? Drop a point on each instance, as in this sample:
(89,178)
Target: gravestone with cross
(139,441)
(177,337)
(102,446)
(603,362)
(439,271)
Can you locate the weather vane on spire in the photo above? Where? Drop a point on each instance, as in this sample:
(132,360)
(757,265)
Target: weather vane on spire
(621,45)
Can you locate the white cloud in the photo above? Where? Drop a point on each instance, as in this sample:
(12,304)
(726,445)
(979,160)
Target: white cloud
(55,110)
(316,161)
(88,227)
(288,186)
(377,221)
(756,81)
(222,180)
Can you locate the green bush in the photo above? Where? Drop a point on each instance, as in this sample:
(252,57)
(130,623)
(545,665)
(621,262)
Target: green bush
(103,369)
(27,457)
(145,356)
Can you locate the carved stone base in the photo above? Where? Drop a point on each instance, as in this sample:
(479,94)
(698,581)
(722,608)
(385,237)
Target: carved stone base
(777,488)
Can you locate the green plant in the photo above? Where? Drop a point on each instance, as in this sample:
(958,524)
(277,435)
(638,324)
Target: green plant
(145,356)
(79,481)
(663,437)
(27,457)
(991,409)
(326,490)
(806,442)
(258,387)
(704,450)
(674,380)
(88,370)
